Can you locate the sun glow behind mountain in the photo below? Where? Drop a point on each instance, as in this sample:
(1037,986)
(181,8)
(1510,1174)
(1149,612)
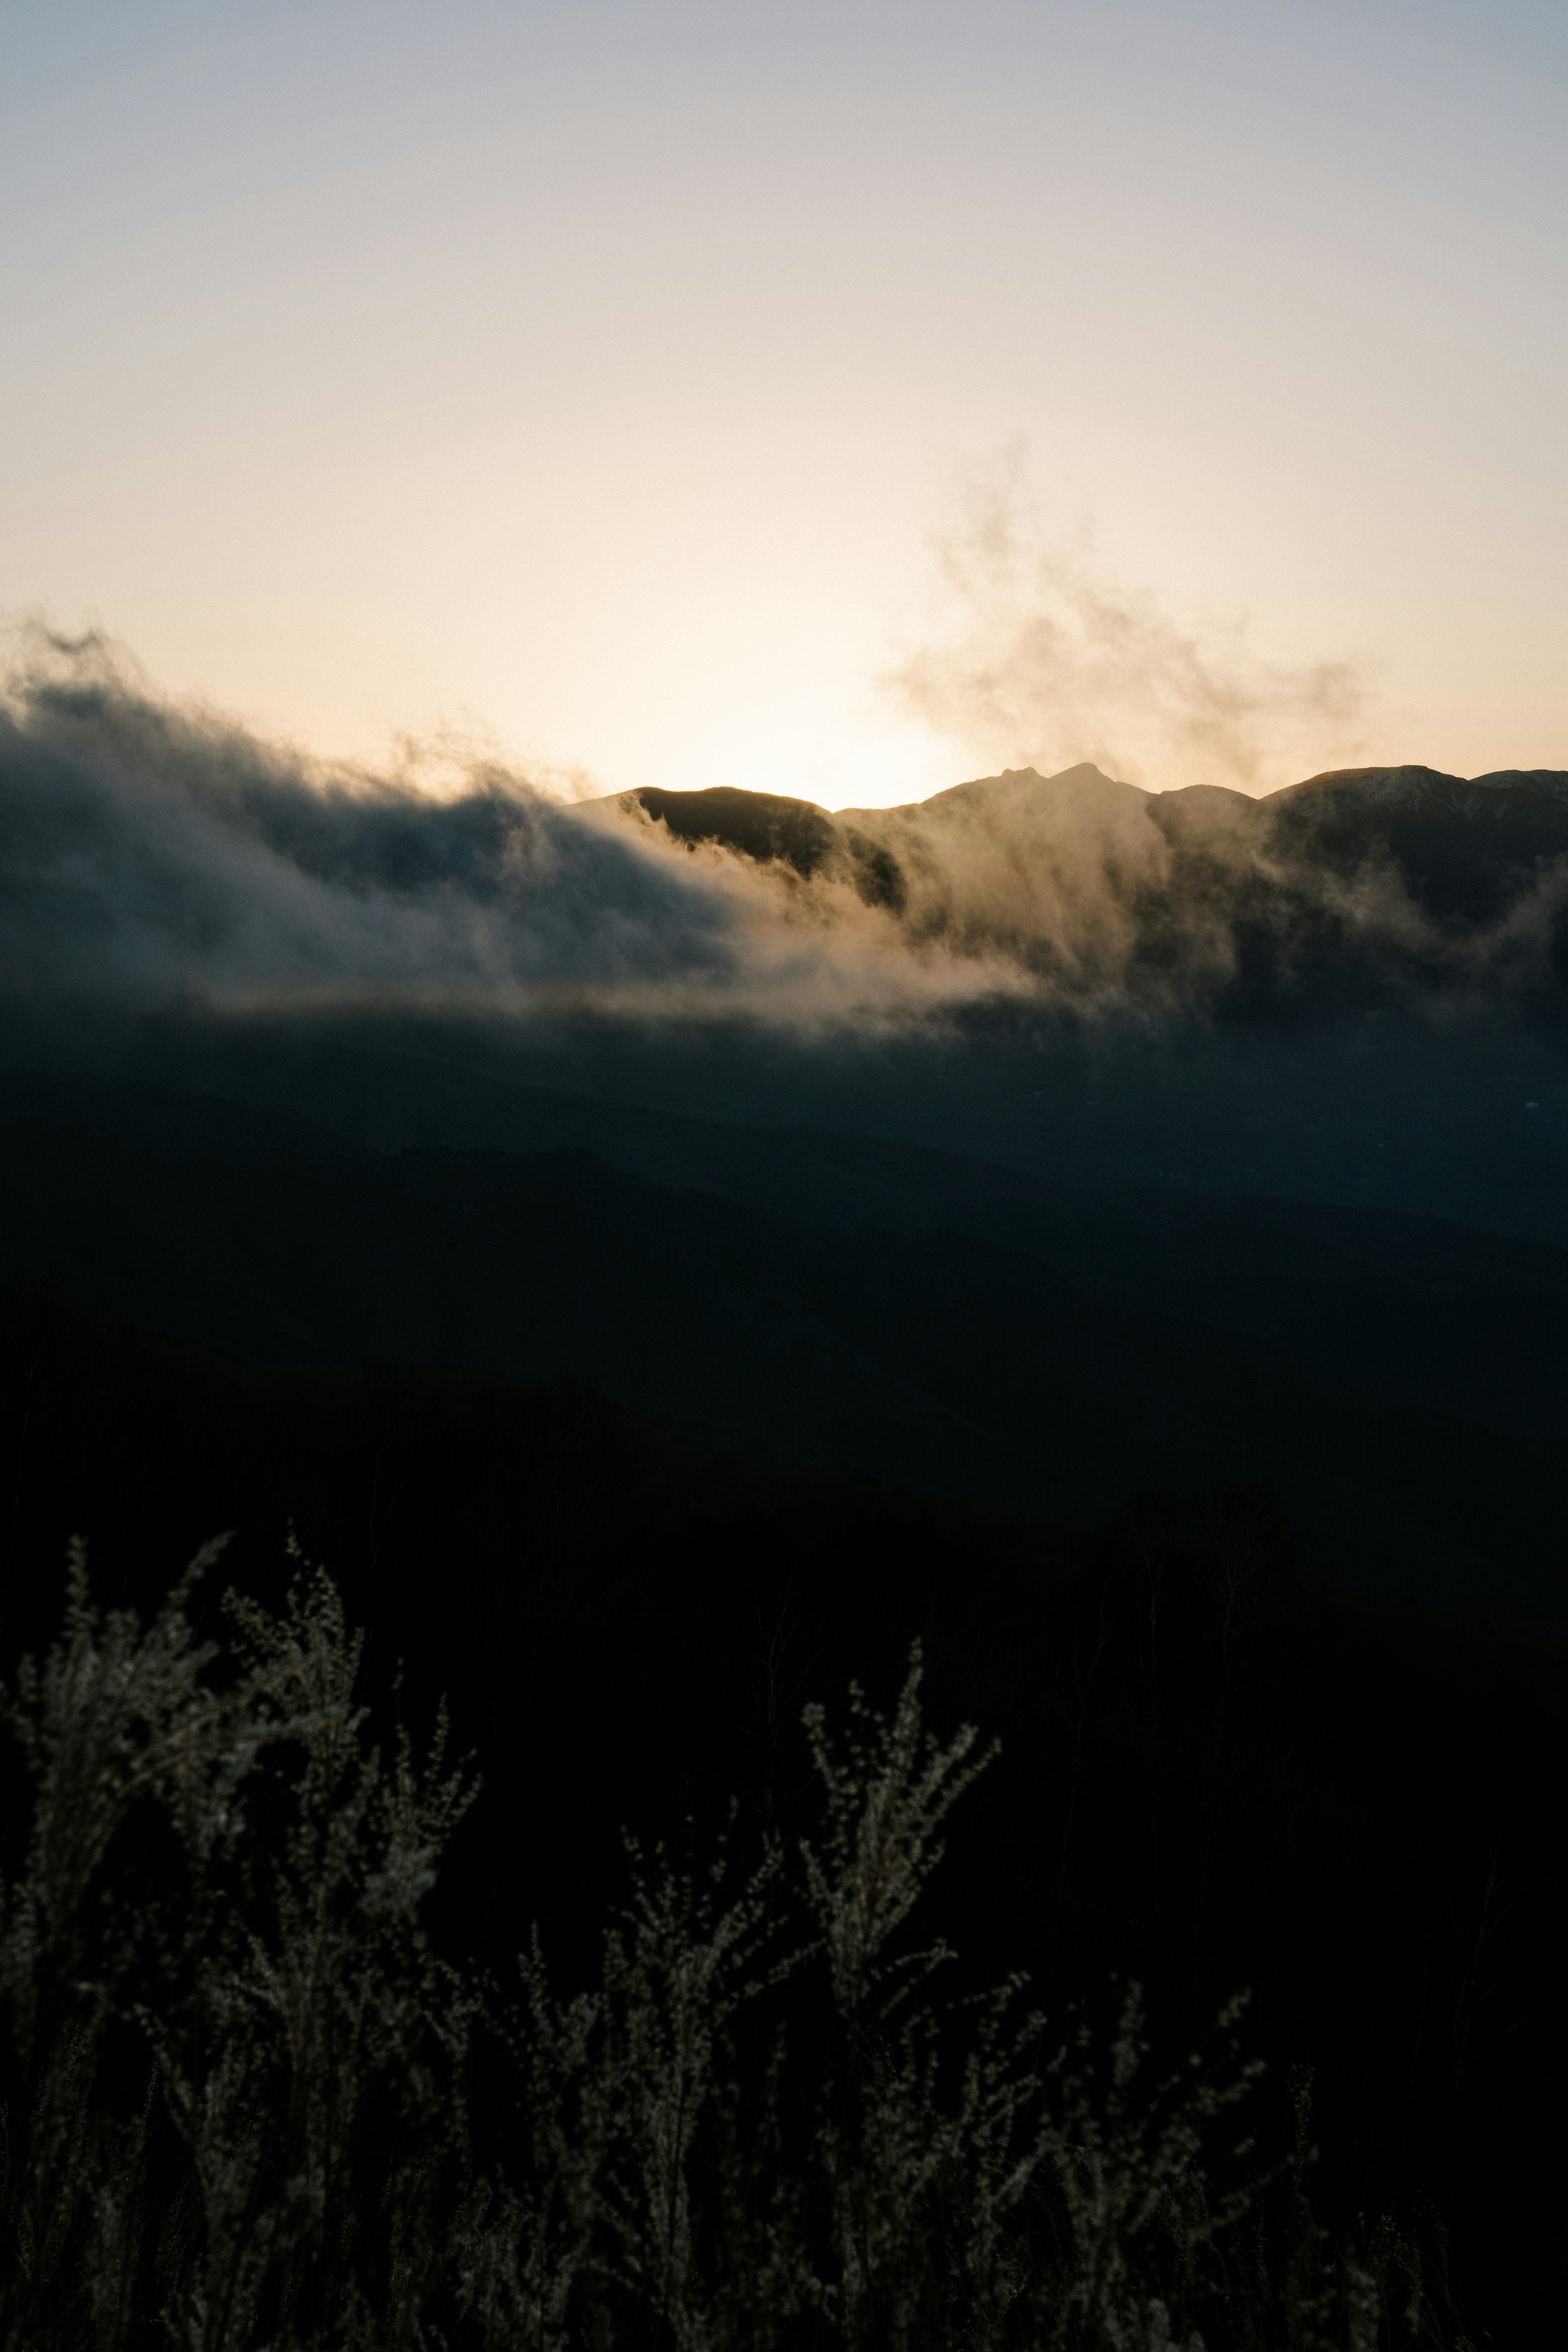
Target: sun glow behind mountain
(598,376)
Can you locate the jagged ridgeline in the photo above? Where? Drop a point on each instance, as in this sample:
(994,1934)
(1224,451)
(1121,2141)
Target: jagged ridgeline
(1360,877)
(161,858)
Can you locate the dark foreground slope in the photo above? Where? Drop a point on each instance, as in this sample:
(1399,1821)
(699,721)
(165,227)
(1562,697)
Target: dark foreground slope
(918,1317)
(1214,1772)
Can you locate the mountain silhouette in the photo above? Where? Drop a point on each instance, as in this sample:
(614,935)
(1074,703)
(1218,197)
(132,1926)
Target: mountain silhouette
(1516,819)
(1322,902)
(1463,848)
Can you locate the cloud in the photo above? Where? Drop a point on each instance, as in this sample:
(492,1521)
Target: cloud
(160,854)
(1042,658)
(160,859)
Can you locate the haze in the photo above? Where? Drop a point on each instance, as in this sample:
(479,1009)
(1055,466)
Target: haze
(598,376)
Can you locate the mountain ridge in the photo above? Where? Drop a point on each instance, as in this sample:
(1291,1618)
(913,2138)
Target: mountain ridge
(1203,888)
(1399,782)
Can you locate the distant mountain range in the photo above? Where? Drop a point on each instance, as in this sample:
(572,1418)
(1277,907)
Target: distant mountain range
(153,864)
(1365,886)
(1464,846)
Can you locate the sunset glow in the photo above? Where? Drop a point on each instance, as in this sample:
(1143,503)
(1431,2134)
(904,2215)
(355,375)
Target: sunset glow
(598,378)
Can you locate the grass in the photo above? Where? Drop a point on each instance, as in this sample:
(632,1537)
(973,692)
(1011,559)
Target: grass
(248,2103)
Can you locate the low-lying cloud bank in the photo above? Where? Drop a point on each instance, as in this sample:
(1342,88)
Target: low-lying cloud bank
(157,857)
(160,854)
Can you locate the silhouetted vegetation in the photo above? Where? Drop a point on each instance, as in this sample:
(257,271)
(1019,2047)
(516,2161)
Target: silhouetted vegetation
(1215,1775)
(247,2103)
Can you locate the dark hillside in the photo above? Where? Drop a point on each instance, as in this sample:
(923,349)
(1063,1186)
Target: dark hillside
(1465,848)
(917,1319)
(760,826)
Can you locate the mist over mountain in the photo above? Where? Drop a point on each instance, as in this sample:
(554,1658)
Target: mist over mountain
(1351,990)
(160,858)
(790,1124)
(1356,887)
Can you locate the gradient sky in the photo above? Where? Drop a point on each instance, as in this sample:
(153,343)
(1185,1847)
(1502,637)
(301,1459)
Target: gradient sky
(600,375)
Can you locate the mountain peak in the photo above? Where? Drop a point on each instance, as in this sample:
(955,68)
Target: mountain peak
(1010,787)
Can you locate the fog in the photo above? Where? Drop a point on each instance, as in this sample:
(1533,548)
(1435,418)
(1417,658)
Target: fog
(160,856)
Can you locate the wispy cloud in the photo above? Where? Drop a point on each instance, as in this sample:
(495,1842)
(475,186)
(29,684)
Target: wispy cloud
(1042,657)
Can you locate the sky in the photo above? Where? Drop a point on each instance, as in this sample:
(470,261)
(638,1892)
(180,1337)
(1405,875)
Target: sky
(835,400)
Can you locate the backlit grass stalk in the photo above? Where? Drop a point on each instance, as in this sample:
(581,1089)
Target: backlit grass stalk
(249,2108)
